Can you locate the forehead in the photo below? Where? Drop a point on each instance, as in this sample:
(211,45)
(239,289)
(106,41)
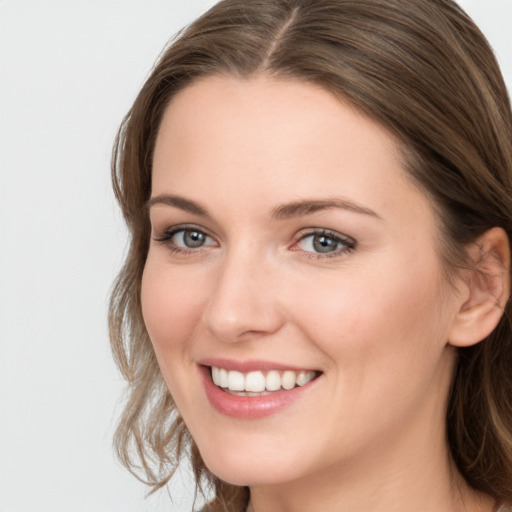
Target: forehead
(279,140)
(259,107)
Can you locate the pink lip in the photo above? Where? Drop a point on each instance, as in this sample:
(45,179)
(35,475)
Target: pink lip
(245,407)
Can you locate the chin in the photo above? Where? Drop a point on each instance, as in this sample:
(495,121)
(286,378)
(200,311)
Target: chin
(246,477)
(243,469)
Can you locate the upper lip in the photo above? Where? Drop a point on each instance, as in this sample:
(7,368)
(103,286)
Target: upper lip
(250,365)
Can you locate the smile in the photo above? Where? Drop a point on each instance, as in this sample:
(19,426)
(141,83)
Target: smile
(259,383)
(254,390)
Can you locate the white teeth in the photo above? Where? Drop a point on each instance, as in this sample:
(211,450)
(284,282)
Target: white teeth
(215,375)
(288,380)
(223,378)
(257,382)
(236,381)
(304,378)
(273,381)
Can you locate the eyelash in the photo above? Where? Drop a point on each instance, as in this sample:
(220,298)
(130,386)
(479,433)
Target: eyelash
(348,243)
(166,239)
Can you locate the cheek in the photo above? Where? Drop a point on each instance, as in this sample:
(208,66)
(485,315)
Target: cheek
(156,304)
(171,307)
(385,342)
(377,318)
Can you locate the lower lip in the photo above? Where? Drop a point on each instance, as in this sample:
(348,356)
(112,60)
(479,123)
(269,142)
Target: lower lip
(250,407)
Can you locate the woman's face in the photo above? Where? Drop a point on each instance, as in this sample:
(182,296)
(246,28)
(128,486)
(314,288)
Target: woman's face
(290,253)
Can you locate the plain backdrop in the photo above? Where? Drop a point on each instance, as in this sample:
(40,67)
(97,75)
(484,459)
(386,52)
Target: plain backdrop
(69,71)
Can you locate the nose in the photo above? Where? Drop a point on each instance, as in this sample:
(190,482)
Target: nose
(244,302)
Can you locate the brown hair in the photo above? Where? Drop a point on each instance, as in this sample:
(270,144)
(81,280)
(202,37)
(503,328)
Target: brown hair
(423,70)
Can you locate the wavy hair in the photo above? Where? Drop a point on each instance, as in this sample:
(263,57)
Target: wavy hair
(423,70)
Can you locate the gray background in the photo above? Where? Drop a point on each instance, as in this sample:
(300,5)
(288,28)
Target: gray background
(69,71)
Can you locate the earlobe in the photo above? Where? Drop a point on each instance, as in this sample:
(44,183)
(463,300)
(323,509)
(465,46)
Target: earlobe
(487,289)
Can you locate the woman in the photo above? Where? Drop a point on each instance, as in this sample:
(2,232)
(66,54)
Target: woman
(314,306)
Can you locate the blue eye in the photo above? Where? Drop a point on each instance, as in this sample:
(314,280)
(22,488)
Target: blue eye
(185,239)
(325,243)
(189,238)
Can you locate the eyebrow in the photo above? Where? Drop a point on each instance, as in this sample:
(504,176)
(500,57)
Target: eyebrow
(178,202)
(309,206)
(285,211)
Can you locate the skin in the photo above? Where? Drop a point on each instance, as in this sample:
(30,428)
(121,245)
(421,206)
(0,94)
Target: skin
(375,320)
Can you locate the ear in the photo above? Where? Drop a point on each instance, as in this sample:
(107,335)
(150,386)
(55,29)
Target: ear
(486,289)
